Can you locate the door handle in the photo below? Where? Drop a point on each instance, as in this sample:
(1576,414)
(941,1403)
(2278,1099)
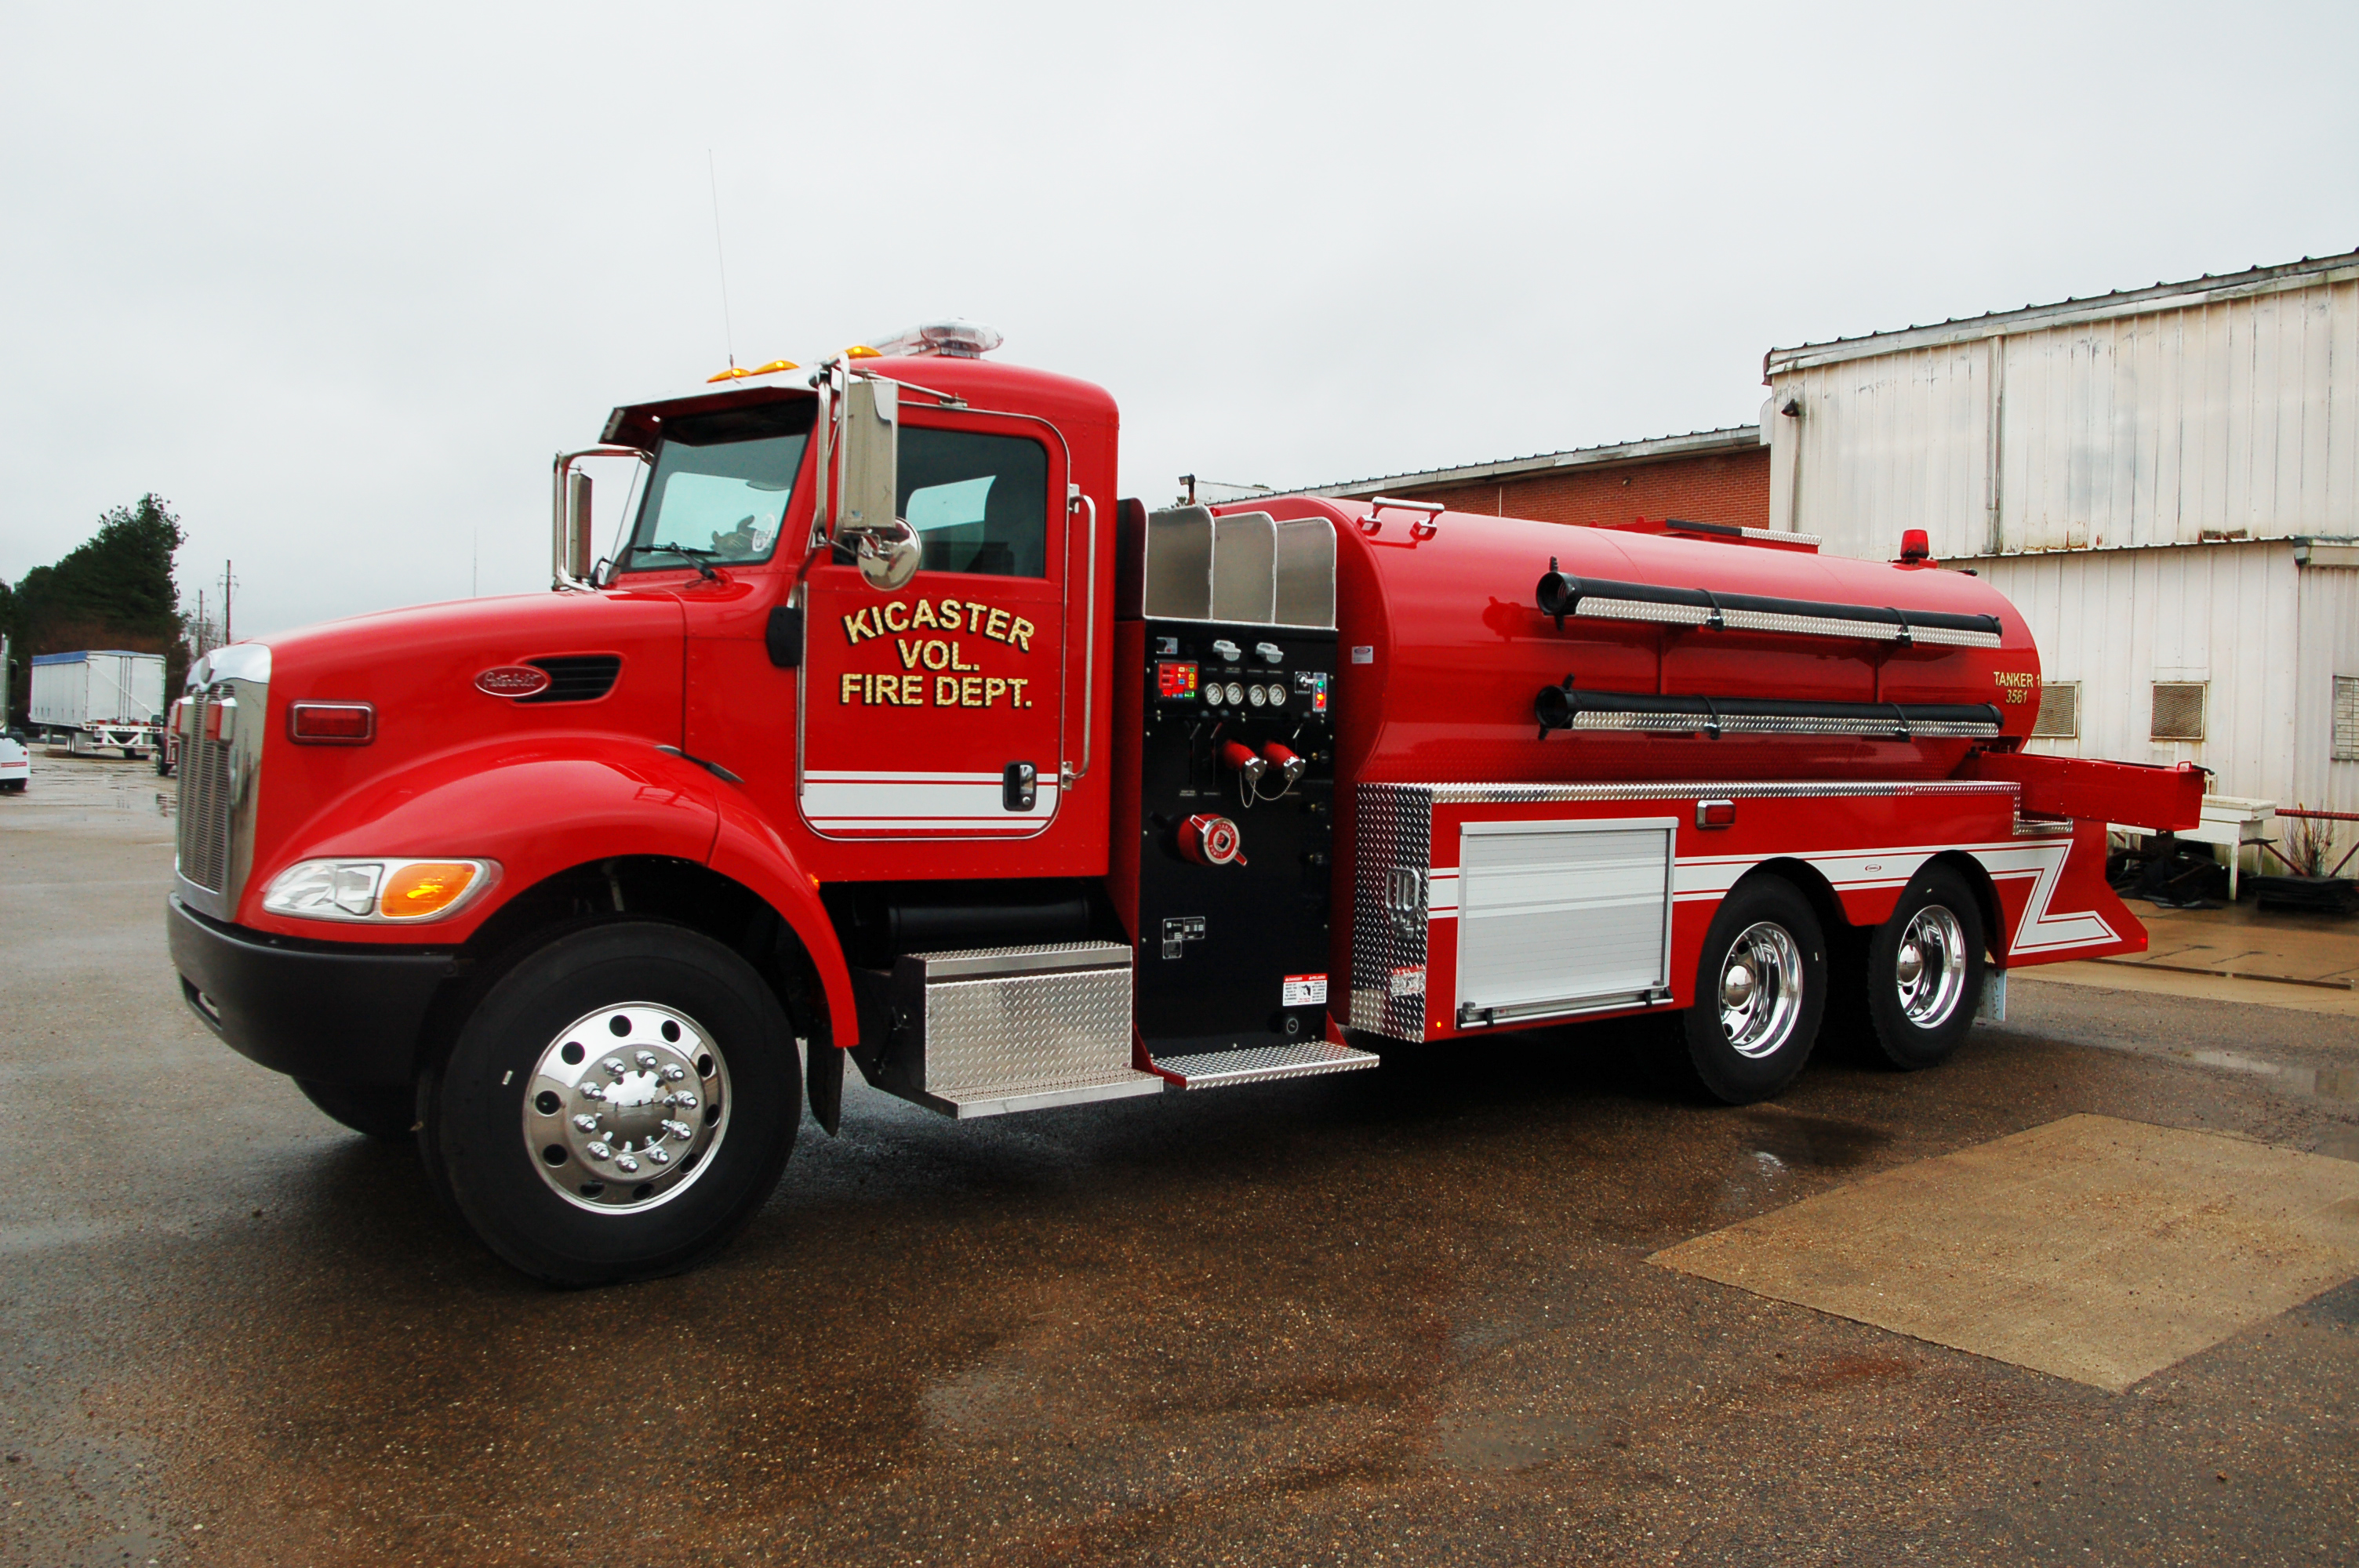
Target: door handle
(1019,787)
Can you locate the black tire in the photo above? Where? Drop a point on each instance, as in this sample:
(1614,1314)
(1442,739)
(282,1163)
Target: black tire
(1700,1054)
(13,786)
(473,1105)
(388,1114)
(1920,1024)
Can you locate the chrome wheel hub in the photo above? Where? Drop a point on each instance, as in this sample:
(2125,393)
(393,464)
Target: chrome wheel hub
(1760,990)
(1930,972)
(625,1107)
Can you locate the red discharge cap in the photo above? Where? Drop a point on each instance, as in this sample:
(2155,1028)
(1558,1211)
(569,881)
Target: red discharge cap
(1211,842)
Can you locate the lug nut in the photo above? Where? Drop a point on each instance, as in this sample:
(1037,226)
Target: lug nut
(625,1162)
(674,1073)
(585,1123)
(593,1091)
(660,1157)
(686,1101)
(680,1128)
(599,1151)
(645,1058)
(614,1066)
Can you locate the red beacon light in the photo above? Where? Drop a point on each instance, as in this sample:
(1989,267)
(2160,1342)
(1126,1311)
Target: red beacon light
(1916,548)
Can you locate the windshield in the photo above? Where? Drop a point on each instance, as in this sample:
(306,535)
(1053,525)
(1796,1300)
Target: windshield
(721,486)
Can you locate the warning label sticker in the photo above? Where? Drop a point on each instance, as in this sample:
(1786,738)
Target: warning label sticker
(1409,980)
(1305,991)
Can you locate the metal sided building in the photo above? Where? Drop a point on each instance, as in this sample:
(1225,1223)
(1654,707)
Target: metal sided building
(2164,480)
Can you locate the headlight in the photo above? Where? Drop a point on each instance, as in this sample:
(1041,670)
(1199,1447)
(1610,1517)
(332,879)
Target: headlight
(395,891)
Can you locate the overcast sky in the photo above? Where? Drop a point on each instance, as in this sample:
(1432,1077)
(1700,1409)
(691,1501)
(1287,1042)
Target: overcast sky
(336,281)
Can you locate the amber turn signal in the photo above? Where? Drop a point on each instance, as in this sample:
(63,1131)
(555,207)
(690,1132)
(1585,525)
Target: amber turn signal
(424,887)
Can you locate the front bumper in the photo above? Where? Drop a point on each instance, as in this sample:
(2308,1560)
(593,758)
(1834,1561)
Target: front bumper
(336,1012)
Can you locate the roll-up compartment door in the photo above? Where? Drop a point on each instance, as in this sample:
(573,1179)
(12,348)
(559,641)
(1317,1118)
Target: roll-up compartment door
(1559,917)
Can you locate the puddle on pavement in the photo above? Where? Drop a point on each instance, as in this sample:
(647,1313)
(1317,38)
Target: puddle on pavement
(2326,1082)
(1774,1144)
(1508,1442)
(99,784)
(1790,1139)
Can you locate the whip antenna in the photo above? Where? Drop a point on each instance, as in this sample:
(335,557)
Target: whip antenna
(721,259)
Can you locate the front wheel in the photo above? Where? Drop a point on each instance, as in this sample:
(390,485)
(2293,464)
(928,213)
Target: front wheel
(1925,972)
(1761,985)
(617,1105)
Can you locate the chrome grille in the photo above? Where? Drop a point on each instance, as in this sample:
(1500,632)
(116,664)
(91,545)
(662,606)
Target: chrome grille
(205,801)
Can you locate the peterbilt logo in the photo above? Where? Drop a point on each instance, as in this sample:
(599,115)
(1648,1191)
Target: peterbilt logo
(512,680)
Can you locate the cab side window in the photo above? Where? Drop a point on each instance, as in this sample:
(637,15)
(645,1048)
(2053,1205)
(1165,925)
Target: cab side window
(979,503)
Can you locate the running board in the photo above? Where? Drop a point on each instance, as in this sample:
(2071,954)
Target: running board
(1221,1069)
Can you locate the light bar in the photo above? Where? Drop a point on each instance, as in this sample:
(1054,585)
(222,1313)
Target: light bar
(951,340)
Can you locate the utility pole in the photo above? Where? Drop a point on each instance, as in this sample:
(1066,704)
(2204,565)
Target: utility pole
(227,635)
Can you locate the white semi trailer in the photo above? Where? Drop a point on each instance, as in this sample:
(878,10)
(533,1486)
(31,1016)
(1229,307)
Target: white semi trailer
(101,698)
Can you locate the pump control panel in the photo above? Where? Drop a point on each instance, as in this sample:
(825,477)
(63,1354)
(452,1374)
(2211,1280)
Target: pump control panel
(1235,835)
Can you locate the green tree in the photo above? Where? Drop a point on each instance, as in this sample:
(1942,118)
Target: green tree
(114,590)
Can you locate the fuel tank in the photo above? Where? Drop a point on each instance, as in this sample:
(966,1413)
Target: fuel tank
(1506,650)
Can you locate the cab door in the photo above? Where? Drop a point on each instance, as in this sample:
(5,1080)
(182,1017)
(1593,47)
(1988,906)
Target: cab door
(933,710)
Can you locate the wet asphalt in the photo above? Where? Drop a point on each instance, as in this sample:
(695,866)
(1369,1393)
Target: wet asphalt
(1401,1316)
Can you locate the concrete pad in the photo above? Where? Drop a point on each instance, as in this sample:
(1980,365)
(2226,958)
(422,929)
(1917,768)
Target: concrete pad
(2091,1249)
(2149,981)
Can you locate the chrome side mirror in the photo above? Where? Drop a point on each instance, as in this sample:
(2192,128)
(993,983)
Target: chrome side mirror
(577,524)
(569,526)
(885,548)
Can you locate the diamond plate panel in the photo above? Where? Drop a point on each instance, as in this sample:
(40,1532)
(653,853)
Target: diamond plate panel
(1393,852)
(1027,1033)
(1220,1069)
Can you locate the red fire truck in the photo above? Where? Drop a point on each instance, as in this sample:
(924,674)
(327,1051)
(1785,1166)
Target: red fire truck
(888,732)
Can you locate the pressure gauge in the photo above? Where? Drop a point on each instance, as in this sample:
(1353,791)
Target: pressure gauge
(1236,694)
(1278,694)
(1254,694)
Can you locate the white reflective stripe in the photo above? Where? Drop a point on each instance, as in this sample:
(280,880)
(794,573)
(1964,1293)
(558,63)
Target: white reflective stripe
(1005,826)
(2040,931)
(1441,894)
(978,801)
(877,775)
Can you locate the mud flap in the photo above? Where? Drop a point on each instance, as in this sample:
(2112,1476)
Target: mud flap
(823,1084)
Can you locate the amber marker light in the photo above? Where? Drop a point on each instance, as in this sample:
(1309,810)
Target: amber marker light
(420,888)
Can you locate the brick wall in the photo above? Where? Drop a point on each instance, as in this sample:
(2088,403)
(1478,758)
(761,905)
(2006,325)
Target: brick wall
(1709,487)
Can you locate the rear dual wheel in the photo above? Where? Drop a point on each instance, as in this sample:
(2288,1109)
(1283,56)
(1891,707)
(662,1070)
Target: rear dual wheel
(1761,987)
(1925,969)
(617,1105)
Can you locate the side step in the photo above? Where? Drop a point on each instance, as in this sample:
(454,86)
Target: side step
(1221,1069)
